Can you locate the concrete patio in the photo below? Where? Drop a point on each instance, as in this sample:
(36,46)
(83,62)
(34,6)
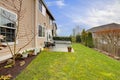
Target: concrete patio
(61,46)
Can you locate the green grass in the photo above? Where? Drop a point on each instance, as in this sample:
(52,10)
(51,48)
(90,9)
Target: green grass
(83,64)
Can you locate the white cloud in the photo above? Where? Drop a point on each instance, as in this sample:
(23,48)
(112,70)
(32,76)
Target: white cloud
(96,15)
(59,3)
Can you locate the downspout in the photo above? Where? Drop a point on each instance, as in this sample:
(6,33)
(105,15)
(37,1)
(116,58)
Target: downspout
(35,27)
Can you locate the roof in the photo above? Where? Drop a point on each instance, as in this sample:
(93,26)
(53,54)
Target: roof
(104,27)
(48,10)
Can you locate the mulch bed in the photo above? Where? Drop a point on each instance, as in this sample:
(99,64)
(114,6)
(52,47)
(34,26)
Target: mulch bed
(17,69)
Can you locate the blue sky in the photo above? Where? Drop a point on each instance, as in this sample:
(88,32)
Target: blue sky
(83,13)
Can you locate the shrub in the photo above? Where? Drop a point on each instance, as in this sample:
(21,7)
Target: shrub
(5,77)
(18,56)
(30,53)
(8,66)
(78,38)
(73,39)
(83,37)
(22,63)
(89,40)
(9,62)
(62,38)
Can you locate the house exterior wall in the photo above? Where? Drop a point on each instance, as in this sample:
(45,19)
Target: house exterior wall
(26,26)
(49,28)
(29,26)
(44,21)
(40,20)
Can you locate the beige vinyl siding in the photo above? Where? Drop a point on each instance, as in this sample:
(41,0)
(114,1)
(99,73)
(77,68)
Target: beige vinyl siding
(29,25)
(26,26)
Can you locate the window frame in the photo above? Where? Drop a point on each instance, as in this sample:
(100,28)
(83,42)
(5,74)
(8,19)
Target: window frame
(43,31)
(40,5)
(42,8)
(50,21)
(8,27)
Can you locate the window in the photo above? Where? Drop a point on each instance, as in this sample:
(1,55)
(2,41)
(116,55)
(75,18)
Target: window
(40,5)
(9,33)
(7,25)
(42,8)
(51,22)
(41,31)
(52,32)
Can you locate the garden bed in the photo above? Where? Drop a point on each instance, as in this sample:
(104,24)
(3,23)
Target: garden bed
(14,71)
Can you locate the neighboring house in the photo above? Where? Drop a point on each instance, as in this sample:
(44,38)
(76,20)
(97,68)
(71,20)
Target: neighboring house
(107,38)
(104,27)
(37,19)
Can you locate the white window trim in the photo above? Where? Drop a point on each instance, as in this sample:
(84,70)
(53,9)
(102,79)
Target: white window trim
(7,27)
(50,21)
(9,11)
(38,7)
(41,12)
(10,43)
(38,30)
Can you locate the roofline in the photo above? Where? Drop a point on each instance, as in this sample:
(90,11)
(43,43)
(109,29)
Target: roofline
(48,9)
(108,24)
(103,25)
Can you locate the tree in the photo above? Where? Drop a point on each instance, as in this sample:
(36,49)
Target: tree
(74,34)
(17,7)
(73,38)
(76,30)
(89,40)
(78,38)
(83,37)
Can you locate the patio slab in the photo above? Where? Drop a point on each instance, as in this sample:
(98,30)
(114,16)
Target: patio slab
(61,46)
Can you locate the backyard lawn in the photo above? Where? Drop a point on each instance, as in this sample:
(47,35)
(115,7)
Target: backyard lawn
(83,64)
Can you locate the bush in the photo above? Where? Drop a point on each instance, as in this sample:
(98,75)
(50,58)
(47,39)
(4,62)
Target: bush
(83,37)
(5,77)
(89,40)
(78,38)
(18,56)
(30,53)
(9,61)
(73,39)
(62,38)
